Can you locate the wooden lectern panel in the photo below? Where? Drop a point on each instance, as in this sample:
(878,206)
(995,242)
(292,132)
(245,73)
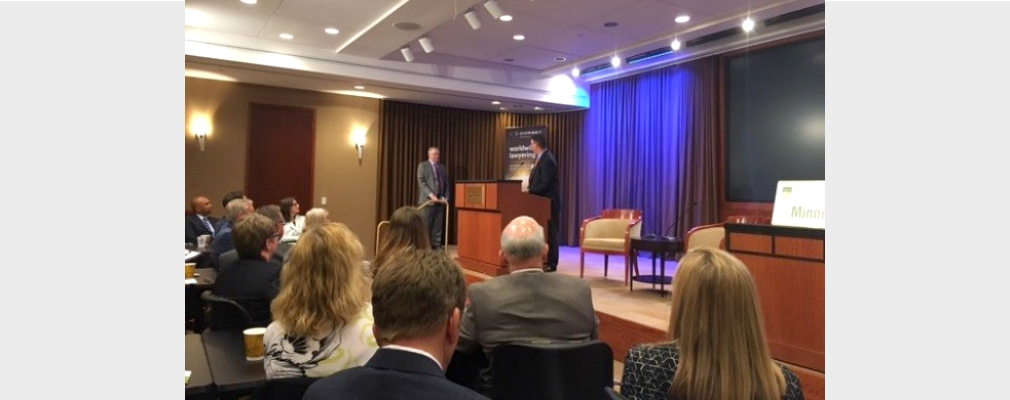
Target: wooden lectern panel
(484,208)
(788,269)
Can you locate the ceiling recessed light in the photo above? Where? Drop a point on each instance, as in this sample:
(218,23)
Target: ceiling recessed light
(287,36)
(332,31)
(509,59)
(675,44)
(496,102)
(538,108)
(682,18)
(748,25)
(559,59)
(575,72)
(249,1)
(610,24)
(505,18)
(359,87)
(615,61)
(503,108)
(518,37)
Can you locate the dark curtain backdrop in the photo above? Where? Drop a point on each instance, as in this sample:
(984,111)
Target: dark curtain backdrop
(650,145)
(472,145)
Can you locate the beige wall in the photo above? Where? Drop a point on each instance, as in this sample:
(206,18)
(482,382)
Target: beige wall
(349,188)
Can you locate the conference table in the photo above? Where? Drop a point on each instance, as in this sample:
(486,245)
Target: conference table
(233,374)
(201,382)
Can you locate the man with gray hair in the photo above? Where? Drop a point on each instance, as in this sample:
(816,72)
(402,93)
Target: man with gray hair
(527,305)
(433,185)
(235,211)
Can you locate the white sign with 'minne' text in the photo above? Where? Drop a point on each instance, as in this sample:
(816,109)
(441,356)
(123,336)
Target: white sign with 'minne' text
(799,203)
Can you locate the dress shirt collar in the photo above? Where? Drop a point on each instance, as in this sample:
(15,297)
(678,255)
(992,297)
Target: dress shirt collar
(524,270)
(415,351)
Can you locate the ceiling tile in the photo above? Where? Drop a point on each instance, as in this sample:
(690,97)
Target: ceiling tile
(532,57)
(233,16)
(306,33)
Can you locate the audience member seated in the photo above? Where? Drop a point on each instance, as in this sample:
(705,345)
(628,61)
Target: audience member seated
(406,231)
(416,300)
(322,316)
(232,195)
(316,217)
(293,223)
(270,211)
(236,211)
(200,222)
(527,305)
(718,348)
(251,281)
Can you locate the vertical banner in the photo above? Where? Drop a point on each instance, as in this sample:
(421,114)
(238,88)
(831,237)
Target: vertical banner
(518,155)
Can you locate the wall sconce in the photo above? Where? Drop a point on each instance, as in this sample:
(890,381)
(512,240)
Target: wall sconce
(358,136)
(201,128)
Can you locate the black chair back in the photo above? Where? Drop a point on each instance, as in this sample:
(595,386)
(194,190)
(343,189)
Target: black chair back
(283,389)
(225,314)
(613,395)
(555,371)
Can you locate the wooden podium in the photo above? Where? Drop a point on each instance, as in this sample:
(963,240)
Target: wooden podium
(787,264)
(484,208)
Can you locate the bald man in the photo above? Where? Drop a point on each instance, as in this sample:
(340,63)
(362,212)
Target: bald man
(200,222)
(527,304)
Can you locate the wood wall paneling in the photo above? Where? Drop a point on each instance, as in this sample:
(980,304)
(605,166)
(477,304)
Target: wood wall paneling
(622,334)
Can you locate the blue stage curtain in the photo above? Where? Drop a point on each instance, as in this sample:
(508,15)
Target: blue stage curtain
(650,145)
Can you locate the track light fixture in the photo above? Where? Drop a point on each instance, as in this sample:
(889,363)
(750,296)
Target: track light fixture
(426,44)
(472,19)
(494,8)
(407,54)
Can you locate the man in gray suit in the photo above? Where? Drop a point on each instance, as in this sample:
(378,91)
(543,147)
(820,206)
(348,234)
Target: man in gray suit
(527,305)
(433,182)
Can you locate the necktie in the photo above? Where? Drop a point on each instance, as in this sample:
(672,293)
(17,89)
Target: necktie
(206,222)
(434,169)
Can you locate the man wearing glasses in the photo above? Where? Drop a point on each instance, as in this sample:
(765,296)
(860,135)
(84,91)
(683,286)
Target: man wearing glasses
(252,281)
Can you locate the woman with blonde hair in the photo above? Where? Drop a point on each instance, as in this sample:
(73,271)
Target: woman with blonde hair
(322,315)
(718,349)
(315,217)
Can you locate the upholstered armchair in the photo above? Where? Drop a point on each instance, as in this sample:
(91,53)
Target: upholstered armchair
(610,233)
(705,236)
(714,235)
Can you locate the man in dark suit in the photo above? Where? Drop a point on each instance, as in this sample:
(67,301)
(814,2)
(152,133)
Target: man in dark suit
(417,300)
(526,305)
(544,183)
(273,212)
(251,281)
(232,195)
(200,222)
(433,182)
(237,210)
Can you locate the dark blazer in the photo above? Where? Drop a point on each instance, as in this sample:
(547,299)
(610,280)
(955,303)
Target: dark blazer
(526,307)
(649,369)
(253,284)
(231,256)
(222,243)
(426,182)
(391,375)
(544,179)
(195,228)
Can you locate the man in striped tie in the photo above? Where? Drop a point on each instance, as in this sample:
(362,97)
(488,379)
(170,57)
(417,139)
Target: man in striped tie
(433,182)
(199,222)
